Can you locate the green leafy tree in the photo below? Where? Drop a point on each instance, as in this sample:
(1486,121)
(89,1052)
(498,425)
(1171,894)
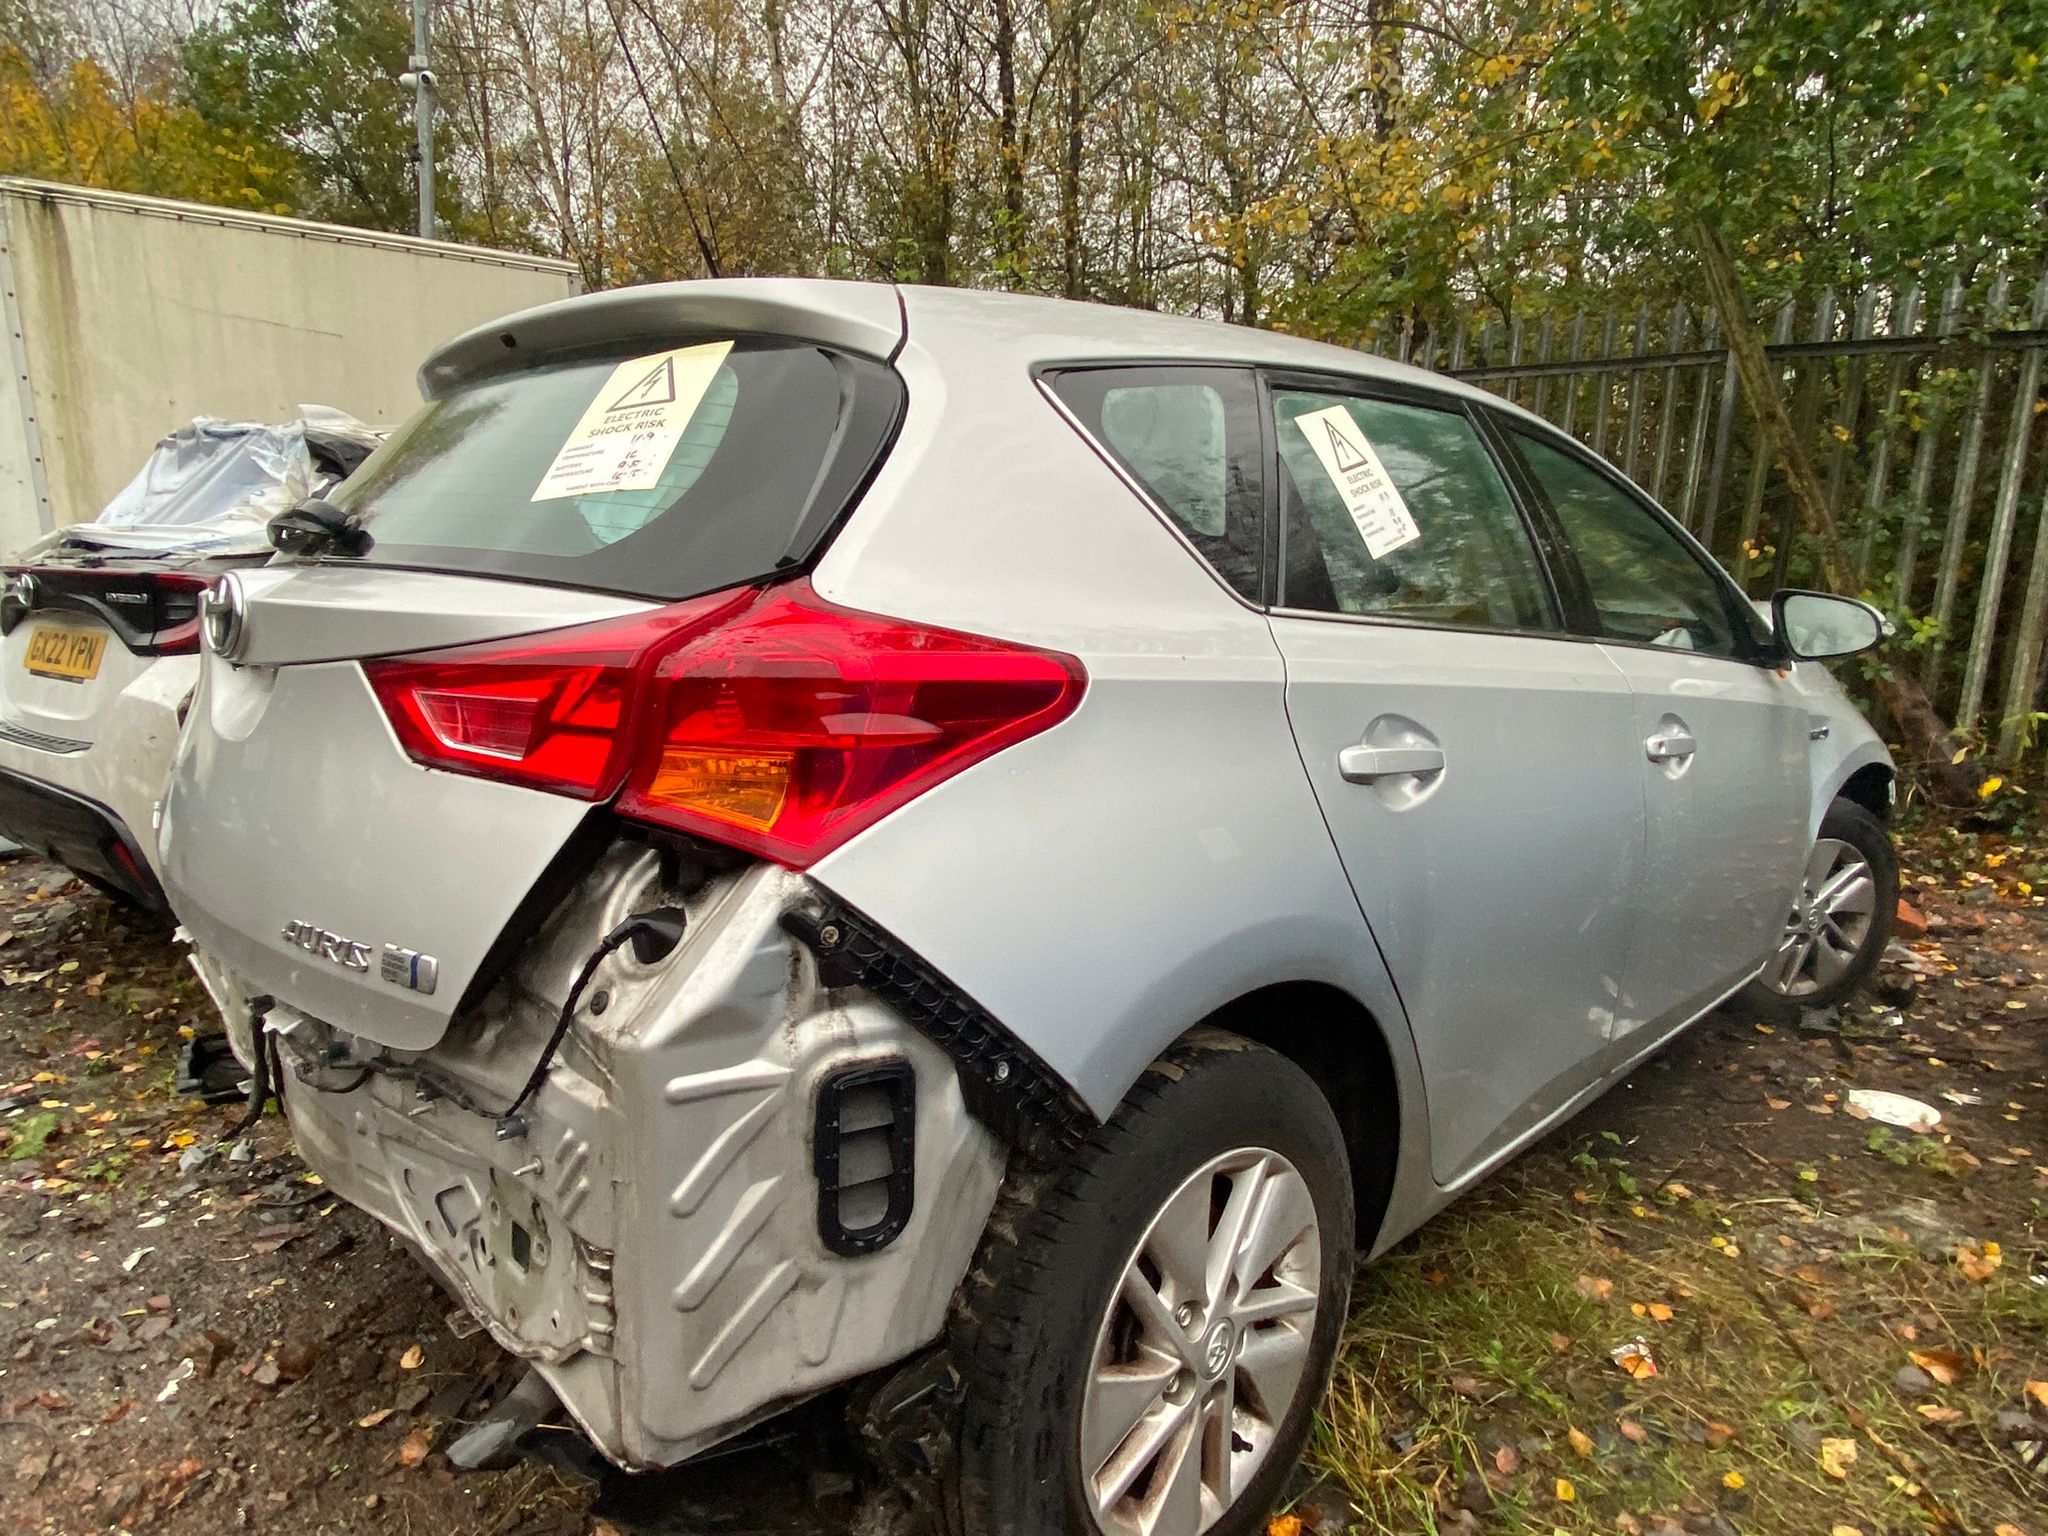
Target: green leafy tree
(1816,136)
(319,79)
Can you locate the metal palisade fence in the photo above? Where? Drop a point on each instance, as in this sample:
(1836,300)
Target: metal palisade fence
(1922,403)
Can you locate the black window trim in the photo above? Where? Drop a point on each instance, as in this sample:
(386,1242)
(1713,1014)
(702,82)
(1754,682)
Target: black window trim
(1401,392)
(1752,652)
(1045,375)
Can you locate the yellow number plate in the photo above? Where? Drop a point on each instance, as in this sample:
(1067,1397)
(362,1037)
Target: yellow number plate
(58,650)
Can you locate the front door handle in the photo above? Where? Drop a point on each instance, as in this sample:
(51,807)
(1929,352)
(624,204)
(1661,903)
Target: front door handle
(1363,764)
(1671,746)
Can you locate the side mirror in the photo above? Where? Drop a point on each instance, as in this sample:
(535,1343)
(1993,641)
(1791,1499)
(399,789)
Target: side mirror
(1816,626)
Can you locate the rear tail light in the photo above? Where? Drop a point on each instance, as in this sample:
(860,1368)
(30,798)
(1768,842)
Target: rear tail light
(775,722)
(552,711)
(156,613)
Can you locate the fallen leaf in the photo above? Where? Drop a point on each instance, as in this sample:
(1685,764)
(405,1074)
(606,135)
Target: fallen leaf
(1284,1525)
(1634,1357)
(412,1359)
(118,1412)
(1506,1459)
(2038,1391)
(1944,1365)
(1779,1103)
(1560,1342)
(1633,1432)
(1732,1481)
(1593,1288)
(1718,1434)
(1659,1313)
(1837,1457)
(1581,1441)
(1843,1530)
(1934,1413)
(414,1449)
(1565,1491)
(1978,1265)
(374,1417)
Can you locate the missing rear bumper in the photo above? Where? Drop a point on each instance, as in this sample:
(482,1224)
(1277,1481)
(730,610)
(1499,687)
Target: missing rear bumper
(654,1244)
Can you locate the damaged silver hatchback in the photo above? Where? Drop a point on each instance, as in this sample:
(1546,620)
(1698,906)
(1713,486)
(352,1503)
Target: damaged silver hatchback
(788,834)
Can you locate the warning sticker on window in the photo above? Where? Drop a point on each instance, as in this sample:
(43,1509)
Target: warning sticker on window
(1361,480)
(623,441)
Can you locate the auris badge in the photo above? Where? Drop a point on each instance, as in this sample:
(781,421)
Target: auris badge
(406,968)
(328,945)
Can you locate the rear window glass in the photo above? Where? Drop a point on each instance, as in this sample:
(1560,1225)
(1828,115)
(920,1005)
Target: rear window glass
(659,473)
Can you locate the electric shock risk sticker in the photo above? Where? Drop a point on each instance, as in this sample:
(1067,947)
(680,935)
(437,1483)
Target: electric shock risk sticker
(622,442)
(1362,482)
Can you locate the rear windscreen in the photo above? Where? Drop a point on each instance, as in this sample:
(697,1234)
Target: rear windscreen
(659,473)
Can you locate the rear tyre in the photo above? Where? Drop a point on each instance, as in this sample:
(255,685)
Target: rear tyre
(1841,920)
(1143,1344)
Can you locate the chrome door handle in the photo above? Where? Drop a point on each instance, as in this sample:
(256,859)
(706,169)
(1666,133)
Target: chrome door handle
(1363,764)
(1671,746)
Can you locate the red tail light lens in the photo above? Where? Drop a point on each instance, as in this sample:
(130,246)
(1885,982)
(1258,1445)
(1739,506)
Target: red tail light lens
(773,721)
(553,711)
(799,723)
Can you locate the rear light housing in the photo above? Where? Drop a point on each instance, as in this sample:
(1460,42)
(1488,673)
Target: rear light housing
(553,711)
(769,720)
(155,613)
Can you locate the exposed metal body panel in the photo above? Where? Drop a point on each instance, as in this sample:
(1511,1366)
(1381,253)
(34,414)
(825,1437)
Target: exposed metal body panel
(667,1277)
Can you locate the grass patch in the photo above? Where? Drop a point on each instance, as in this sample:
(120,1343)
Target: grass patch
(1477,1380)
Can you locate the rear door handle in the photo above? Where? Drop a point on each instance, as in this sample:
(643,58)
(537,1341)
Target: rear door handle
(1671,746)
(1363,764)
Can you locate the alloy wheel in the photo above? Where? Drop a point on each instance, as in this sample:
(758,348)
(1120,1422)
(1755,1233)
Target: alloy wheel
(1830,921)
(1202,1349)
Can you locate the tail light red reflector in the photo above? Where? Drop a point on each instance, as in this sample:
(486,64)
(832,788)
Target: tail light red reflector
(551,711)
(800,723)
(773,721)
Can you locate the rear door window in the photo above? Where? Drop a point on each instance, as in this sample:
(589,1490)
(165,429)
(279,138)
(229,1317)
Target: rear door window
(662,472)
(1395,510)
(1190,438)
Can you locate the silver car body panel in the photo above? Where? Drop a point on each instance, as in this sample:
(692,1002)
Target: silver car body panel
(302,613)
(1540,782)
(863,318)
(298,762)
(1727,838)
(1096,889)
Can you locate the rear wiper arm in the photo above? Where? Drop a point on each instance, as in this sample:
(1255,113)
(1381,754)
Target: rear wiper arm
(315,525)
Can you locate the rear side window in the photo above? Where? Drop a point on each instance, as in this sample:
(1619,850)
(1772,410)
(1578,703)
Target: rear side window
(660,473)
(1190,437)
(1397,511)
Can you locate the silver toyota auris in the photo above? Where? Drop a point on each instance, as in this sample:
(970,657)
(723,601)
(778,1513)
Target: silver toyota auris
(786,834)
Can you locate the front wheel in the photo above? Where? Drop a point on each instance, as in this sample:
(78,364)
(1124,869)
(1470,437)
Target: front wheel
(1144,1351)
(1841,920)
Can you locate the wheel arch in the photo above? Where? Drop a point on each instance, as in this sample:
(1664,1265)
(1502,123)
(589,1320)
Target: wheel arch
(1870,787)
(1337,1041)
